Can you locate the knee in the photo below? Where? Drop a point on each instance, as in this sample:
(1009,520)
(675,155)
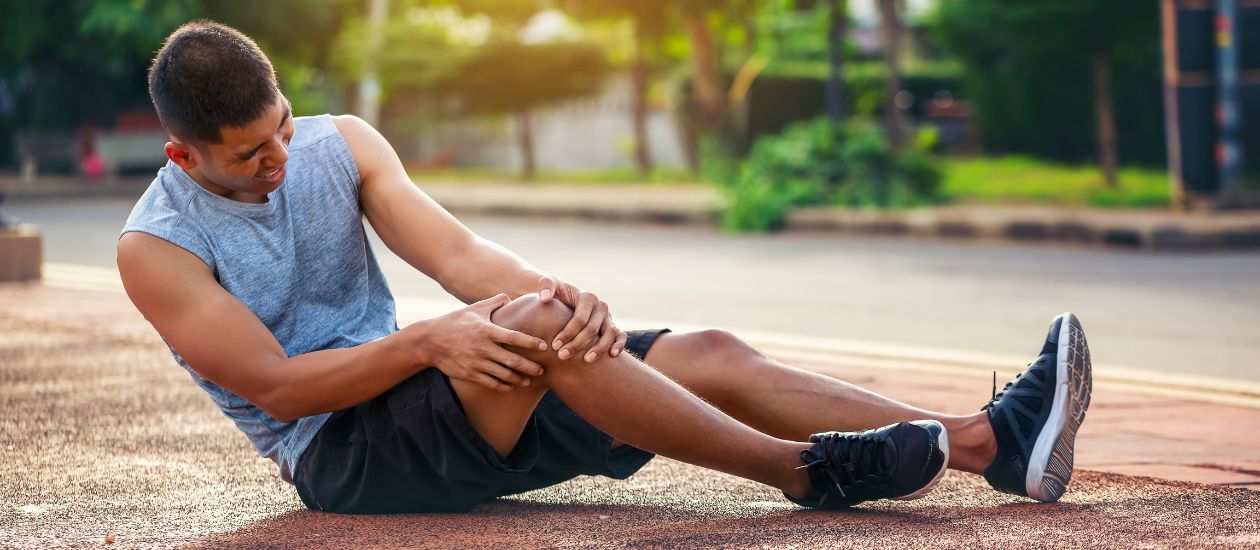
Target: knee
(530,315)
(720,346)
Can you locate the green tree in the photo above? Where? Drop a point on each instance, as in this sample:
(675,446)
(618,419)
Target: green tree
(892,32)
(650,21)
(71,63)
(1039,72)
(509,77)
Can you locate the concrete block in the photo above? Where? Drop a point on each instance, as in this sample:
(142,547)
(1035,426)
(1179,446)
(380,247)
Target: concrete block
(21,253)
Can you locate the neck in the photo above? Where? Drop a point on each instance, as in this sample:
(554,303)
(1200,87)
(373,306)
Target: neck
(209,185)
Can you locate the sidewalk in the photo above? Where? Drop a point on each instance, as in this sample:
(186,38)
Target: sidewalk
(113,438)
(1153,230)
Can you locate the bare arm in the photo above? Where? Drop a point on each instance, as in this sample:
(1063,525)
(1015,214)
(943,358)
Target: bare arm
(423,233)
(469,267)
(226,343)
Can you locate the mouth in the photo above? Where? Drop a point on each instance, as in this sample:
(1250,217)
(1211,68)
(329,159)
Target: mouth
(274,175)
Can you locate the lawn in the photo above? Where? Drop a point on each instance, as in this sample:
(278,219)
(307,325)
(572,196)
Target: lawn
(613,176)
(1003,180)
(1025,180)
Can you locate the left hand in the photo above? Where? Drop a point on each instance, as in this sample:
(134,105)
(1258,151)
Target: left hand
(591,326)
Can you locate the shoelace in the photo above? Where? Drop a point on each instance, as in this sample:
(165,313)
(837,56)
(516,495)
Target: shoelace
(848,452)
(998,394)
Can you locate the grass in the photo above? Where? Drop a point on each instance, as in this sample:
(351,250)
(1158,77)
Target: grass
(1000,180)
(1023,180)
(616,176)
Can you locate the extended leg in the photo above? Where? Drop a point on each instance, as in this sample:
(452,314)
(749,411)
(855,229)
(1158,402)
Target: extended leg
(791,403)
(632,402)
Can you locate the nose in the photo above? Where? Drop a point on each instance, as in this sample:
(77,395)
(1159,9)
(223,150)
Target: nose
(278,152)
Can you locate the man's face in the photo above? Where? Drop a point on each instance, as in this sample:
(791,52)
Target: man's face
(248,163)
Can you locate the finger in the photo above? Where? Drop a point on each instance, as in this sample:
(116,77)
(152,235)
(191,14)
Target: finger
(607,337)
(519,339)
(620,344)
(546,288)
(490,304)
(581,316)
(491,382)
(505,375)
(516,362)
(589,333)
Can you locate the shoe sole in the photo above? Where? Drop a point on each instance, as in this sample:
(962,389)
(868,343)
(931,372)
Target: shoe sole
(942,441)
(1050,463)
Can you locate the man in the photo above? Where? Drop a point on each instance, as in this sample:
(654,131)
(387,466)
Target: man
(249,257)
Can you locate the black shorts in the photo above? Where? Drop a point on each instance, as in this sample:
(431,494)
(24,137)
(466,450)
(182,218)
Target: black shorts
(411,449)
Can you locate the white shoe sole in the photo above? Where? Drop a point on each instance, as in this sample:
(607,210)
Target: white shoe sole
(1050,463)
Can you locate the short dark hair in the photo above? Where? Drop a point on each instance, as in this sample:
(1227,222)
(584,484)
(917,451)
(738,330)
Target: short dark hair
(208,75)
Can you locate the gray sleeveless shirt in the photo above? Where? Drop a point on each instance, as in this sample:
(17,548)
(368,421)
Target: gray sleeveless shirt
(301,262)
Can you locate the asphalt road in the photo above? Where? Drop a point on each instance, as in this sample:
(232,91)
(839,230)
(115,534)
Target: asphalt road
(1195,314)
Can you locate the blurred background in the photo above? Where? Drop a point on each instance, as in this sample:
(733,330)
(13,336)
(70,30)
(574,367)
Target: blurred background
(864,102)
(1130,122)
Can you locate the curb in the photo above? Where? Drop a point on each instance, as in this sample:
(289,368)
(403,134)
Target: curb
(1144,230)
(1148,230)
(38,192)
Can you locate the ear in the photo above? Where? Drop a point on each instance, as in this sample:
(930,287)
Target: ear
(181,154)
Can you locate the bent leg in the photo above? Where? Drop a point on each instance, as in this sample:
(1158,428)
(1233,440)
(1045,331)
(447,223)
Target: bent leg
(642,407)
(792,403)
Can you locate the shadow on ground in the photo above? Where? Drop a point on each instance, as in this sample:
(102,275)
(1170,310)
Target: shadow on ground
(102,435)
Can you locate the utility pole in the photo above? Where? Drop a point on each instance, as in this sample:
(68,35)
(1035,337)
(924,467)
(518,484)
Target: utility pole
(369,94)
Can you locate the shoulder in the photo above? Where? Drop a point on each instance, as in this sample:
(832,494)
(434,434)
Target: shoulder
(356,131)
(162,207)
(368,147)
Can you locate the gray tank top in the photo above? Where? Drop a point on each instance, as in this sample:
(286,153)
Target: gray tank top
(301,262)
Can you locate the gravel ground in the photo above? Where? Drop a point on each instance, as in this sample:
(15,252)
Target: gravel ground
(101,435)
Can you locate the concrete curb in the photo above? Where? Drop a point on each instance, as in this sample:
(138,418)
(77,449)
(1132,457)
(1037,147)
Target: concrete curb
(1152,230)
(57,188)
(1141,229)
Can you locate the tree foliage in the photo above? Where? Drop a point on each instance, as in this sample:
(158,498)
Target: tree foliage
(1028,72)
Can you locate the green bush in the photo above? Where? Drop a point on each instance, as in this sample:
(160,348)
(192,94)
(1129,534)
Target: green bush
(821,162)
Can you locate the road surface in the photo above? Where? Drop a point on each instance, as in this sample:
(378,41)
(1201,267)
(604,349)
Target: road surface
(1196,314)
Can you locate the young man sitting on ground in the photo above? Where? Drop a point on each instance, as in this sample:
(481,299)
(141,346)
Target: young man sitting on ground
(249,256)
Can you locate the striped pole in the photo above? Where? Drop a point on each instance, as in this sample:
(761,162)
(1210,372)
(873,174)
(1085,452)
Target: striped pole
(1228,156)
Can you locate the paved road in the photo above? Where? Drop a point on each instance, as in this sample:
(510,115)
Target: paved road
(1184,313)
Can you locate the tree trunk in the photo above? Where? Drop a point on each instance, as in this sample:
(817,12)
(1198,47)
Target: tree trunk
(742,108)
(1106,127)
(894,117)
(707,91)
(525,140)
(639,88)
(836,29)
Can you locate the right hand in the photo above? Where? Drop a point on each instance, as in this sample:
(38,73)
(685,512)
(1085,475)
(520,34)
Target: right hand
(465,345)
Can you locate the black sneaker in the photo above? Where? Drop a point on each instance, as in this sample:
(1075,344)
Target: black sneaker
(1036,416)
(900,461)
